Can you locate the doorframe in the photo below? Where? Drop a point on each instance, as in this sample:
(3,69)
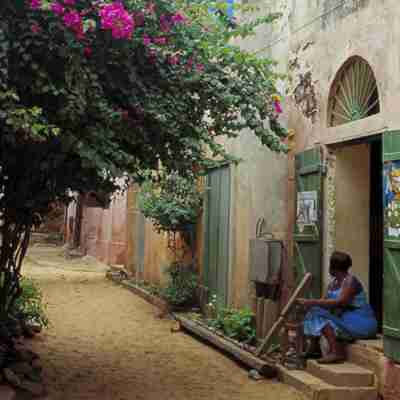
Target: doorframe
(329,198)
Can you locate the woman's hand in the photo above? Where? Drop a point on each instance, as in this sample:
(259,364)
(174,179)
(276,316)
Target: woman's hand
(306,303)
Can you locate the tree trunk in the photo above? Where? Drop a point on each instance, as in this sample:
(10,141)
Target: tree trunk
(13,247)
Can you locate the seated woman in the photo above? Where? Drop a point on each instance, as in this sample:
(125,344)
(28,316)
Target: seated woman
(344,310)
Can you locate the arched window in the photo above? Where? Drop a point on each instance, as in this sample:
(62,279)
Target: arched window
(354,93)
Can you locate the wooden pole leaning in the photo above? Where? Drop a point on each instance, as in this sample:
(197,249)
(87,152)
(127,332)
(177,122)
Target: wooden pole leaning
(299,290)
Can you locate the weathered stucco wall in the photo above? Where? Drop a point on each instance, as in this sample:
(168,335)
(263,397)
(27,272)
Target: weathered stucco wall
(259,182)
(323,35)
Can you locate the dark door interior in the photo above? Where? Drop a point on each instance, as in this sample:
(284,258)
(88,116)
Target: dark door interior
(376,229)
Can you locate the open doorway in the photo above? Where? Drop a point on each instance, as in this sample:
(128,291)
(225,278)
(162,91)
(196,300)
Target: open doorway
(359,213)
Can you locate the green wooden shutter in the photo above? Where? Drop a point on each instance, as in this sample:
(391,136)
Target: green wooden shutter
(391,268)
(216,243)
(307,235)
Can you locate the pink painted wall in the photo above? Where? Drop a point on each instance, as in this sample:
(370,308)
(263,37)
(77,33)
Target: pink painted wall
(104,231)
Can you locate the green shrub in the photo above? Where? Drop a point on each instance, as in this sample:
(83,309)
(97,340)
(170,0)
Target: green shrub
(30,305)
(182,285)
(171,202)
(236,324)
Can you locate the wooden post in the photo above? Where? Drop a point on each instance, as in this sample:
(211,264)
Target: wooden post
(270,315)
(254,304)
(303,284)
(259,317)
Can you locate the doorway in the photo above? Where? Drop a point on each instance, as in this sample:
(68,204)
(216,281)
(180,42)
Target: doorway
(359,214)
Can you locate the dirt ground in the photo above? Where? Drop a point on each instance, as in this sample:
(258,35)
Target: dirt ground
(105,343)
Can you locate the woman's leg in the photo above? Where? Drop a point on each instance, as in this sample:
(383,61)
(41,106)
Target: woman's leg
(334,353)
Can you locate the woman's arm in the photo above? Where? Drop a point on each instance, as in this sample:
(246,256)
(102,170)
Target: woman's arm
(346,297)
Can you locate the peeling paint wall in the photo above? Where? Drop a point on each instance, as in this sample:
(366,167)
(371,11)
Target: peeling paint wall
(259,182)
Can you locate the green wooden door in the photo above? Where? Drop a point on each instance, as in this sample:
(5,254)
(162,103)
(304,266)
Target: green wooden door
(307,235)
(216,243)
(391,267)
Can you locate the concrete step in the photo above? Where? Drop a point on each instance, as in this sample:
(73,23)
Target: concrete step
(317,389)
(346,374)
(368,357)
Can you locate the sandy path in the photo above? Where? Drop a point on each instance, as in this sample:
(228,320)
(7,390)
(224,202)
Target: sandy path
(107,344)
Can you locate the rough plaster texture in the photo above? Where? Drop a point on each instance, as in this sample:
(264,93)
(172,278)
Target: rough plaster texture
(258,191)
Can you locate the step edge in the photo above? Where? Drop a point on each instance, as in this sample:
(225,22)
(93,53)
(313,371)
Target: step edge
(362,370)
(331,377)
(321,385)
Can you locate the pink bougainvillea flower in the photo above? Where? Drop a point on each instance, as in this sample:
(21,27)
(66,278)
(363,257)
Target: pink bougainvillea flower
(278,107)
(173,60)
(200,67)
(139,18)
(160,40)
(152,56)
(114,17)
(35,28)
(189,64)
(57,8)
(35,4)
(146,40)
(73,20)
(178,18)
(87,51)
(69,2)
(165,24)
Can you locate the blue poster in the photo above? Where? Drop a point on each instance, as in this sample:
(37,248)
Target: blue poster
(391,190)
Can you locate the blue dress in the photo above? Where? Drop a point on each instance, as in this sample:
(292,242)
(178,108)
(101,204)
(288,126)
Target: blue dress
(357,323)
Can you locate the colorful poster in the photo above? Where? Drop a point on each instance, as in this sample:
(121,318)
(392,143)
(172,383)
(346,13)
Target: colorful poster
(391,187)
(307,208)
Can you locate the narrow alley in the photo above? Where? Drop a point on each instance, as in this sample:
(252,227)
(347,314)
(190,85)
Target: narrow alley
(105,343)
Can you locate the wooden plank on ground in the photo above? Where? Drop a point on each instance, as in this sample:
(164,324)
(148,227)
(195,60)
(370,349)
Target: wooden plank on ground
(265,368)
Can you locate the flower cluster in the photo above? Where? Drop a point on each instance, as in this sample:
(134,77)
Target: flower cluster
(168,21)
(114,17)
(277,104)
(73,20)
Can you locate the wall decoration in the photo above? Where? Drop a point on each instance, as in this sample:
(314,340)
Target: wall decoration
(307,204)
(391,189)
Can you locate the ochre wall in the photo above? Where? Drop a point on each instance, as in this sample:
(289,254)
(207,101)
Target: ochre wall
(352,206)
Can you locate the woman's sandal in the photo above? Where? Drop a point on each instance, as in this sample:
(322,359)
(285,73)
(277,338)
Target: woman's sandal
(331,358)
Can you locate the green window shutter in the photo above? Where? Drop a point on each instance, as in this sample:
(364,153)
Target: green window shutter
(307,235)
(391,268)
